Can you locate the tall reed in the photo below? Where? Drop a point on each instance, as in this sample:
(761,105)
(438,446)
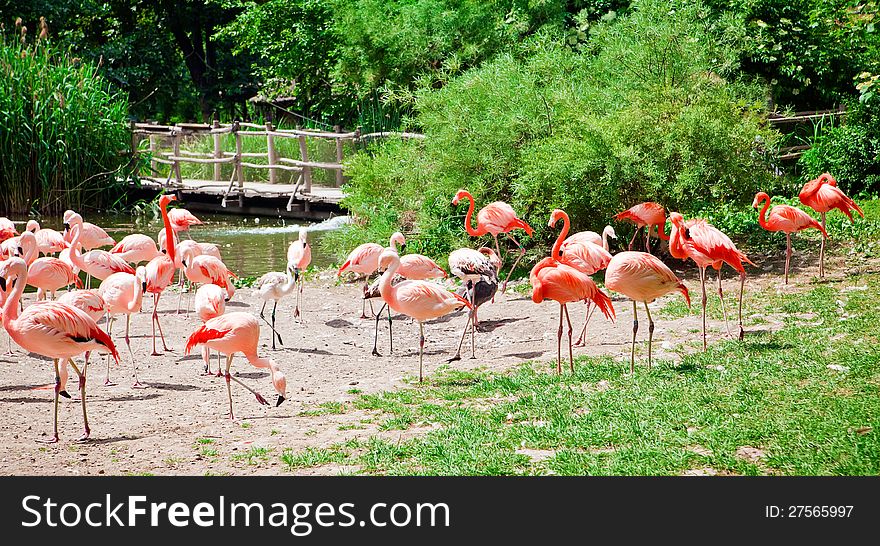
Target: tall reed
(64,135)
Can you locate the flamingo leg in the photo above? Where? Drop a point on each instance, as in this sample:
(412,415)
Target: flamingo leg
(632,354)
(271,324)
(703,274)
(82,395)
(54,438)
(137,384)
(206,356)
(650,333)
(742,285)
(390,337)
(559,342)
(228,385)
(582,339)
(570,351)
(421,350)
(110,321)
(376,331)
(787,255)
(522,252)
(470,323)
(723,307)
(633,240)
(259,397)
(648,230)
(822,251)
(273,327)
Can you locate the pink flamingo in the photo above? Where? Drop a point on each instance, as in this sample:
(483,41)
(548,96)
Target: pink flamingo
(46,274)
(232,333)
(10,246)
(706,245)
(87,301)
(182,219)
(364,260)
(594,238)
(645,215)
(419,300)
(553,279)
(136,248)
(210,302)
(414,267)
(53,330)
(477,269)
(49,241)
(495,218)
(162,240)
(299,255)
(204,269)
(7,229)
(160,271)
(275,286)
(787,219)
(584,254)
(96,263)
(124,293)
(94,237)
(823,195)
(642,277)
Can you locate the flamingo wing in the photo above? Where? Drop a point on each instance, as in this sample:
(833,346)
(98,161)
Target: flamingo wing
(67,324)
(419,267)
(712,242)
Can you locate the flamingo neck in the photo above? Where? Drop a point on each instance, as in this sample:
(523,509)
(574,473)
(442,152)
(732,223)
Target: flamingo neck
(169,232)
(470,214)
(762,219)
(385,287)
(75,255)
(661,231)
(10,306)
(676,246)
(605,240)
(562,235)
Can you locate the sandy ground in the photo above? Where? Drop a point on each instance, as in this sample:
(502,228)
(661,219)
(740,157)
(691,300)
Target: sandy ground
(157,429)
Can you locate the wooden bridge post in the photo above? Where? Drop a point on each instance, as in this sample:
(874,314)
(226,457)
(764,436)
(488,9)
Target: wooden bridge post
(176,149)
(338,129)
(304,156)
(153,164)
(218,149)
(239,171)
(272,155)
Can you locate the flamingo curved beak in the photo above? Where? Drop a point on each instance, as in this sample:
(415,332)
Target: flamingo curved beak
(3,283)
(280,399)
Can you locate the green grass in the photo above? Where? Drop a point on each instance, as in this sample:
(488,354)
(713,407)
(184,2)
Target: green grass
(774,392)
(254,455)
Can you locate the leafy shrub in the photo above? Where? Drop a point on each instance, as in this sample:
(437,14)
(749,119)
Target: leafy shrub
(646,111)
(850,151)
(64,133)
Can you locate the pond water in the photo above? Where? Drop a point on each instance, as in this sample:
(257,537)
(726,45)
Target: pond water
(251,246)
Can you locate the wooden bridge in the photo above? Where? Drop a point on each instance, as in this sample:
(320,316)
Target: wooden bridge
(302,198)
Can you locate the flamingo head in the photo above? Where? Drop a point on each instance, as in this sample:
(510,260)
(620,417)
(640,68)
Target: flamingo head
(10,270)
(399,239)
(26,240)
(71,219)
(676,219)
(166,198)
(387,258)
(555,216)
(609,231)
(303,235)
(280,384)
(759,198)
(461,194)
(141,274)
(32,226)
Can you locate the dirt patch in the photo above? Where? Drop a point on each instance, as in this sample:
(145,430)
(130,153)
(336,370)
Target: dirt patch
(178,424)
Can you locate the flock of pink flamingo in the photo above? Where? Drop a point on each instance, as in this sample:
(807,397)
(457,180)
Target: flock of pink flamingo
(139,265)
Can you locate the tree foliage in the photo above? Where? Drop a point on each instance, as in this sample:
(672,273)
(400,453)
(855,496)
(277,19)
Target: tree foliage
(650,110)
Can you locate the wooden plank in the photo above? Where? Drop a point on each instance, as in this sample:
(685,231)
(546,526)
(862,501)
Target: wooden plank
(218,148)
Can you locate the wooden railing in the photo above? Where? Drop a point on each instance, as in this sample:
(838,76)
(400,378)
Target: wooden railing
(794,152)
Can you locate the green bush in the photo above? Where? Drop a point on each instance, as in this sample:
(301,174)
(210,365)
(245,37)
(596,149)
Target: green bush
(65,136)
(849,151)
(647,111)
